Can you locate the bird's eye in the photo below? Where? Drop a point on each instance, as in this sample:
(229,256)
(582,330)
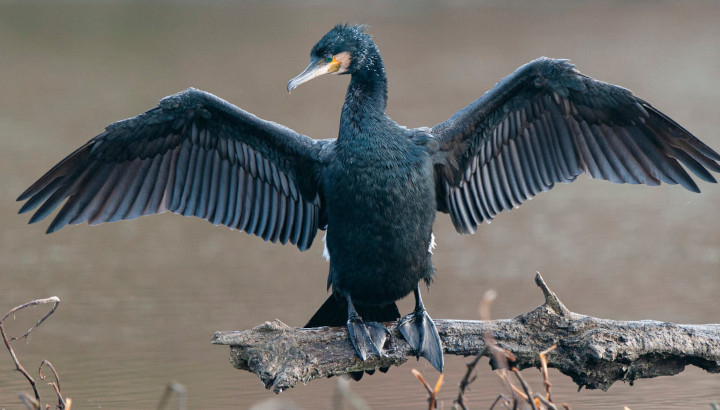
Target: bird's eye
(329,59)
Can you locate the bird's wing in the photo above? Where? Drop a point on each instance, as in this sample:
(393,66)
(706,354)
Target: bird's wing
(194,154)
(548,123)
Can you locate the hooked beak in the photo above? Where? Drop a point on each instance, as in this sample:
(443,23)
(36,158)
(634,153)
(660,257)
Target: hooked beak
(316,68)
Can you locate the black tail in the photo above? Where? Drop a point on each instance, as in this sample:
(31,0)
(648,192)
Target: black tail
(334,312)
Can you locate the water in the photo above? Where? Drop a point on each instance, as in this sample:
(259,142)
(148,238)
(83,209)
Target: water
(141,299)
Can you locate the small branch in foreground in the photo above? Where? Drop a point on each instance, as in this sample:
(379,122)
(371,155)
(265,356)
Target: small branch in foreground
(432,392)
(594,352)
(469,377)
(544,369)
(505,362)
(62,404)
(28,401)
(177,388)
(344,395)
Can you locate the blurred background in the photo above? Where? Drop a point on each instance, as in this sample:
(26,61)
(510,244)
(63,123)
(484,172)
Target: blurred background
(141,299)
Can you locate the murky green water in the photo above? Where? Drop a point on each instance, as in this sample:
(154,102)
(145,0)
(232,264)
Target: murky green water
(141,299)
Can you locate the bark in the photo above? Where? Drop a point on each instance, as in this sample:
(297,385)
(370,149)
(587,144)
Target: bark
(594,352)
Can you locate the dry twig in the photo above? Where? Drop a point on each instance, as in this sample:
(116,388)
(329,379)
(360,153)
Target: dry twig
(506,361)
(544,369)
(343,394)
(30,402)
(62,404)
(177,388)
(467,379)
(432,392)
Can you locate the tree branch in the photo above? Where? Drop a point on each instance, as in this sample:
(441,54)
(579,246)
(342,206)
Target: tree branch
(19,367)
(594,352)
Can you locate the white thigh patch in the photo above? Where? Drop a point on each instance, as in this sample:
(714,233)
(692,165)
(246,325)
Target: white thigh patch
(326,253)
(432,243)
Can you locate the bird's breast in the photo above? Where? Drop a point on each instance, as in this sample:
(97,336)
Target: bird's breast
(380,177)
(381,206)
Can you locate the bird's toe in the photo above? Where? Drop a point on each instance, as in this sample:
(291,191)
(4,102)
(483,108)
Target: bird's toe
(366,338)
(419,331)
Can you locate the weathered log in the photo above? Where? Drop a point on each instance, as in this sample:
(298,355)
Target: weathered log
(594,352)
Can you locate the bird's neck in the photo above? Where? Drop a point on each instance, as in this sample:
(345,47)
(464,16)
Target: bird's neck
(366,96)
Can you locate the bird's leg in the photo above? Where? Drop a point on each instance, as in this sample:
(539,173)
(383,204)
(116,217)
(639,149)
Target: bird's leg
(419,331)
(366,338)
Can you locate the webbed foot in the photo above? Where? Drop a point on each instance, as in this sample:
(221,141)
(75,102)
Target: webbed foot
(366,338)
(421,334)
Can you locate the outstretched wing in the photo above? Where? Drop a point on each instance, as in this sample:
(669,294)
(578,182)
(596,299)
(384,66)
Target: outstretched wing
(548,123)
(194,154)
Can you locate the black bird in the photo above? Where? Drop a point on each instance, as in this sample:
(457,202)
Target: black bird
(376,188)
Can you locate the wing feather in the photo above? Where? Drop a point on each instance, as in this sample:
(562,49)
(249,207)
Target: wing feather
(147,189)
(194,154)
(289,220)
(61,193)
(548,123)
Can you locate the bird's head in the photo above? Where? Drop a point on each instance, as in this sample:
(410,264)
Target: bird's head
(340,51)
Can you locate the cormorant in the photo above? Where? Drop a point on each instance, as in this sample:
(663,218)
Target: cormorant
(376,188)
